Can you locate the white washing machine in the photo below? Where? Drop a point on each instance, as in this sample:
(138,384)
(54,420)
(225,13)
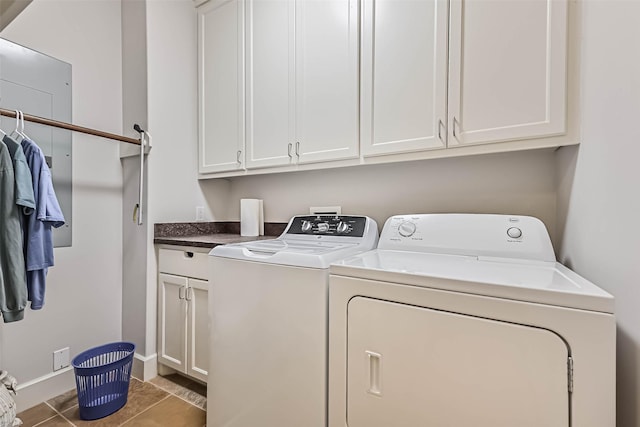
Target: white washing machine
(468,320)
(268,305)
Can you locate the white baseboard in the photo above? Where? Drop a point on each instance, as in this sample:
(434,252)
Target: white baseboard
(36,391)
(145,367)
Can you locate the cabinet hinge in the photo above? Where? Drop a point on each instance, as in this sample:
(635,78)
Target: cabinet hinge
(570,374)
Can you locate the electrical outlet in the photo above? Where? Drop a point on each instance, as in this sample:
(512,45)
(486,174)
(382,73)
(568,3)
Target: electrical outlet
(199,213)
(61,358)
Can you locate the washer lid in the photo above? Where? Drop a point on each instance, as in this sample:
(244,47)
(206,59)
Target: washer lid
(324,240)
(531,281)
(279,251)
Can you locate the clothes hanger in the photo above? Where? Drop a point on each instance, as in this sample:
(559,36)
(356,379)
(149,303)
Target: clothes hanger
(22,126)
(16,133)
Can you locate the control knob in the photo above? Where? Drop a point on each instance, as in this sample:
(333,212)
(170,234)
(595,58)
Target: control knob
(514,232)
(323,227)
(406,229)
(306,226)
(342,227)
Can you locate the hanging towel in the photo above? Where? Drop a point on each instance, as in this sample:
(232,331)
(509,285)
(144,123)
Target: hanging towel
(22,174)
(38,251)
(13,286)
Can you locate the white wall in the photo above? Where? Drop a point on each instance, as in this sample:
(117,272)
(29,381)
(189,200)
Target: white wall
(135,237)
(174,191)
(599,183)
(83,301)
(172,85)
(510,183)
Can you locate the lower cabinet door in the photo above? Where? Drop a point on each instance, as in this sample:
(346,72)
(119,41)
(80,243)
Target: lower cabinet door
(172,326)
(198,340)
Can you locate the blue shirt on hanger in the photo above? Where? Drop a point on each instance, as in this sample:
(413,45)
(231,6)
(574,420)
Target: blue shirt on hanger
(24,184)
(38,226)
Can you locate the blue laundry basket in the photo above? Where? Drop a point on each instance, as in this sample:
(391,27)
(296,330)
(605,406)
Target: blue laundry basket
(102,378)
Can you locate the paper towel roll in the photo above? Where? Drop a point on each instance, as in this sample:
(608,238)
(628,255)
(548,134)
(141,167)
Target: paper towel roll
(251,217)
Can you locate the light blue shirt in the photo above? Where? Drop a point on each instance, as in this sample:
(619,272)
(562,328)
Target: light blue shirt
(38,232)
(22,174)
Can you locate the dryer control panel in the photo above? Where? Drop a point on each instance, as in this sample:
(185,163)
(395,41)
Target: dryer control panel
(330,225)
(481,235)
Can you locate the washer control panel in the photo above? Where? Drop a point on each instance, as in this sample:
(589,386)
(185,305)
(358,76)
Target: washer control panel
(506,236)
(329,225)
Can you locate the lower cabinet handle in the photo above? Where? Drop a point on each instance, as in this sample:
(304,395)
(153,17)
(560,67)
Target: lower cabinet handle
(189,295)
(180,293)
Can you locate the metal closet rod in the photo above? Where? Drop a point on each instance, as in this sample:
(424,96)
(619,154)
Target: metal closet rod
(69,126)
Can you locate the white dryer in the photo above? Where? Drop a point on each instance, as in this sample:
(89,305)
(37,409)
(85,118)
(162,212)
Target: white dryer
(268,305)
(468,320)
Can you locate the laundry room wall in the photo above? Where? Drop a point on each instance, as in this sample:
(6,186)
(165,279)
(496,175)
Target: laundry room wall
(174,191)
(598,193)
(519,183)
(83,301)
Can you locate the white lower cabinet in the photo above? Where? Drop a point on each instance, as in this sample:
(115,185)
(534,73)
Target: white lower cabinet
(183,337)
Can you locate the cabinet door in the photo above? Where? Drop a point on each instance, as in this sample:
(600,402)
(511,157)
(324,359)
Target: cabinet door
(404,75)
(221,81)
(270,82)
(507,70)
(198,329)
(326,80)
(172,312)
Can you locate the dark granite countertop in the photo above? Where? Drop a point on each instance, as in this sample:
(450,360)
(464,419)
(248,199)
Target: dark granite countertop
(209,234)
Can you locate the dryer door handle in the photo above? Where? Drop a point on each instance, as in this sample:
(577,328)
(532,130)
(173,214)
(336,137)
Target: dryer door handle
(375,379)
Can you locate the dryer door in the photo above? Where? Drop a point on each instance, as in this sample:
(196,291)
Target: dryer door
(413,366)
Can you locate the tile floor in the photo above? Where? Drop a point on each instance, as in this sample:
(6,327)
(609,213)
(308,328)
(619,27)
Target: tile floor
(164,401)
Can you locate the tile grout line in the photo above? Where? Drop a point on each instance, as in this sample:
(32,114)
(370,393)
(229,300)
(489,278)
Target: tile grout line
(45,420)
(65,418)
(57,413)
(140,413)
(180,397)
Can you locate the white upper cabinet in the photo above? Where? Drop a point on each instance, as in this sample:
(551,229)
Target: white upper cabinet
(507,71)
(221,86)
(309,84)
(302,81)
(326,80)
(404,75)
(270,82)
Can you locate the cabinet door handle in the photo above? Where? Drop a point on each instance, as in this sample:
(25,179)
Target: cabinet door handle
(189,294)
(289,150)
(440,126)
(238,157)
(180,292)
(298,149)
(455,122)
